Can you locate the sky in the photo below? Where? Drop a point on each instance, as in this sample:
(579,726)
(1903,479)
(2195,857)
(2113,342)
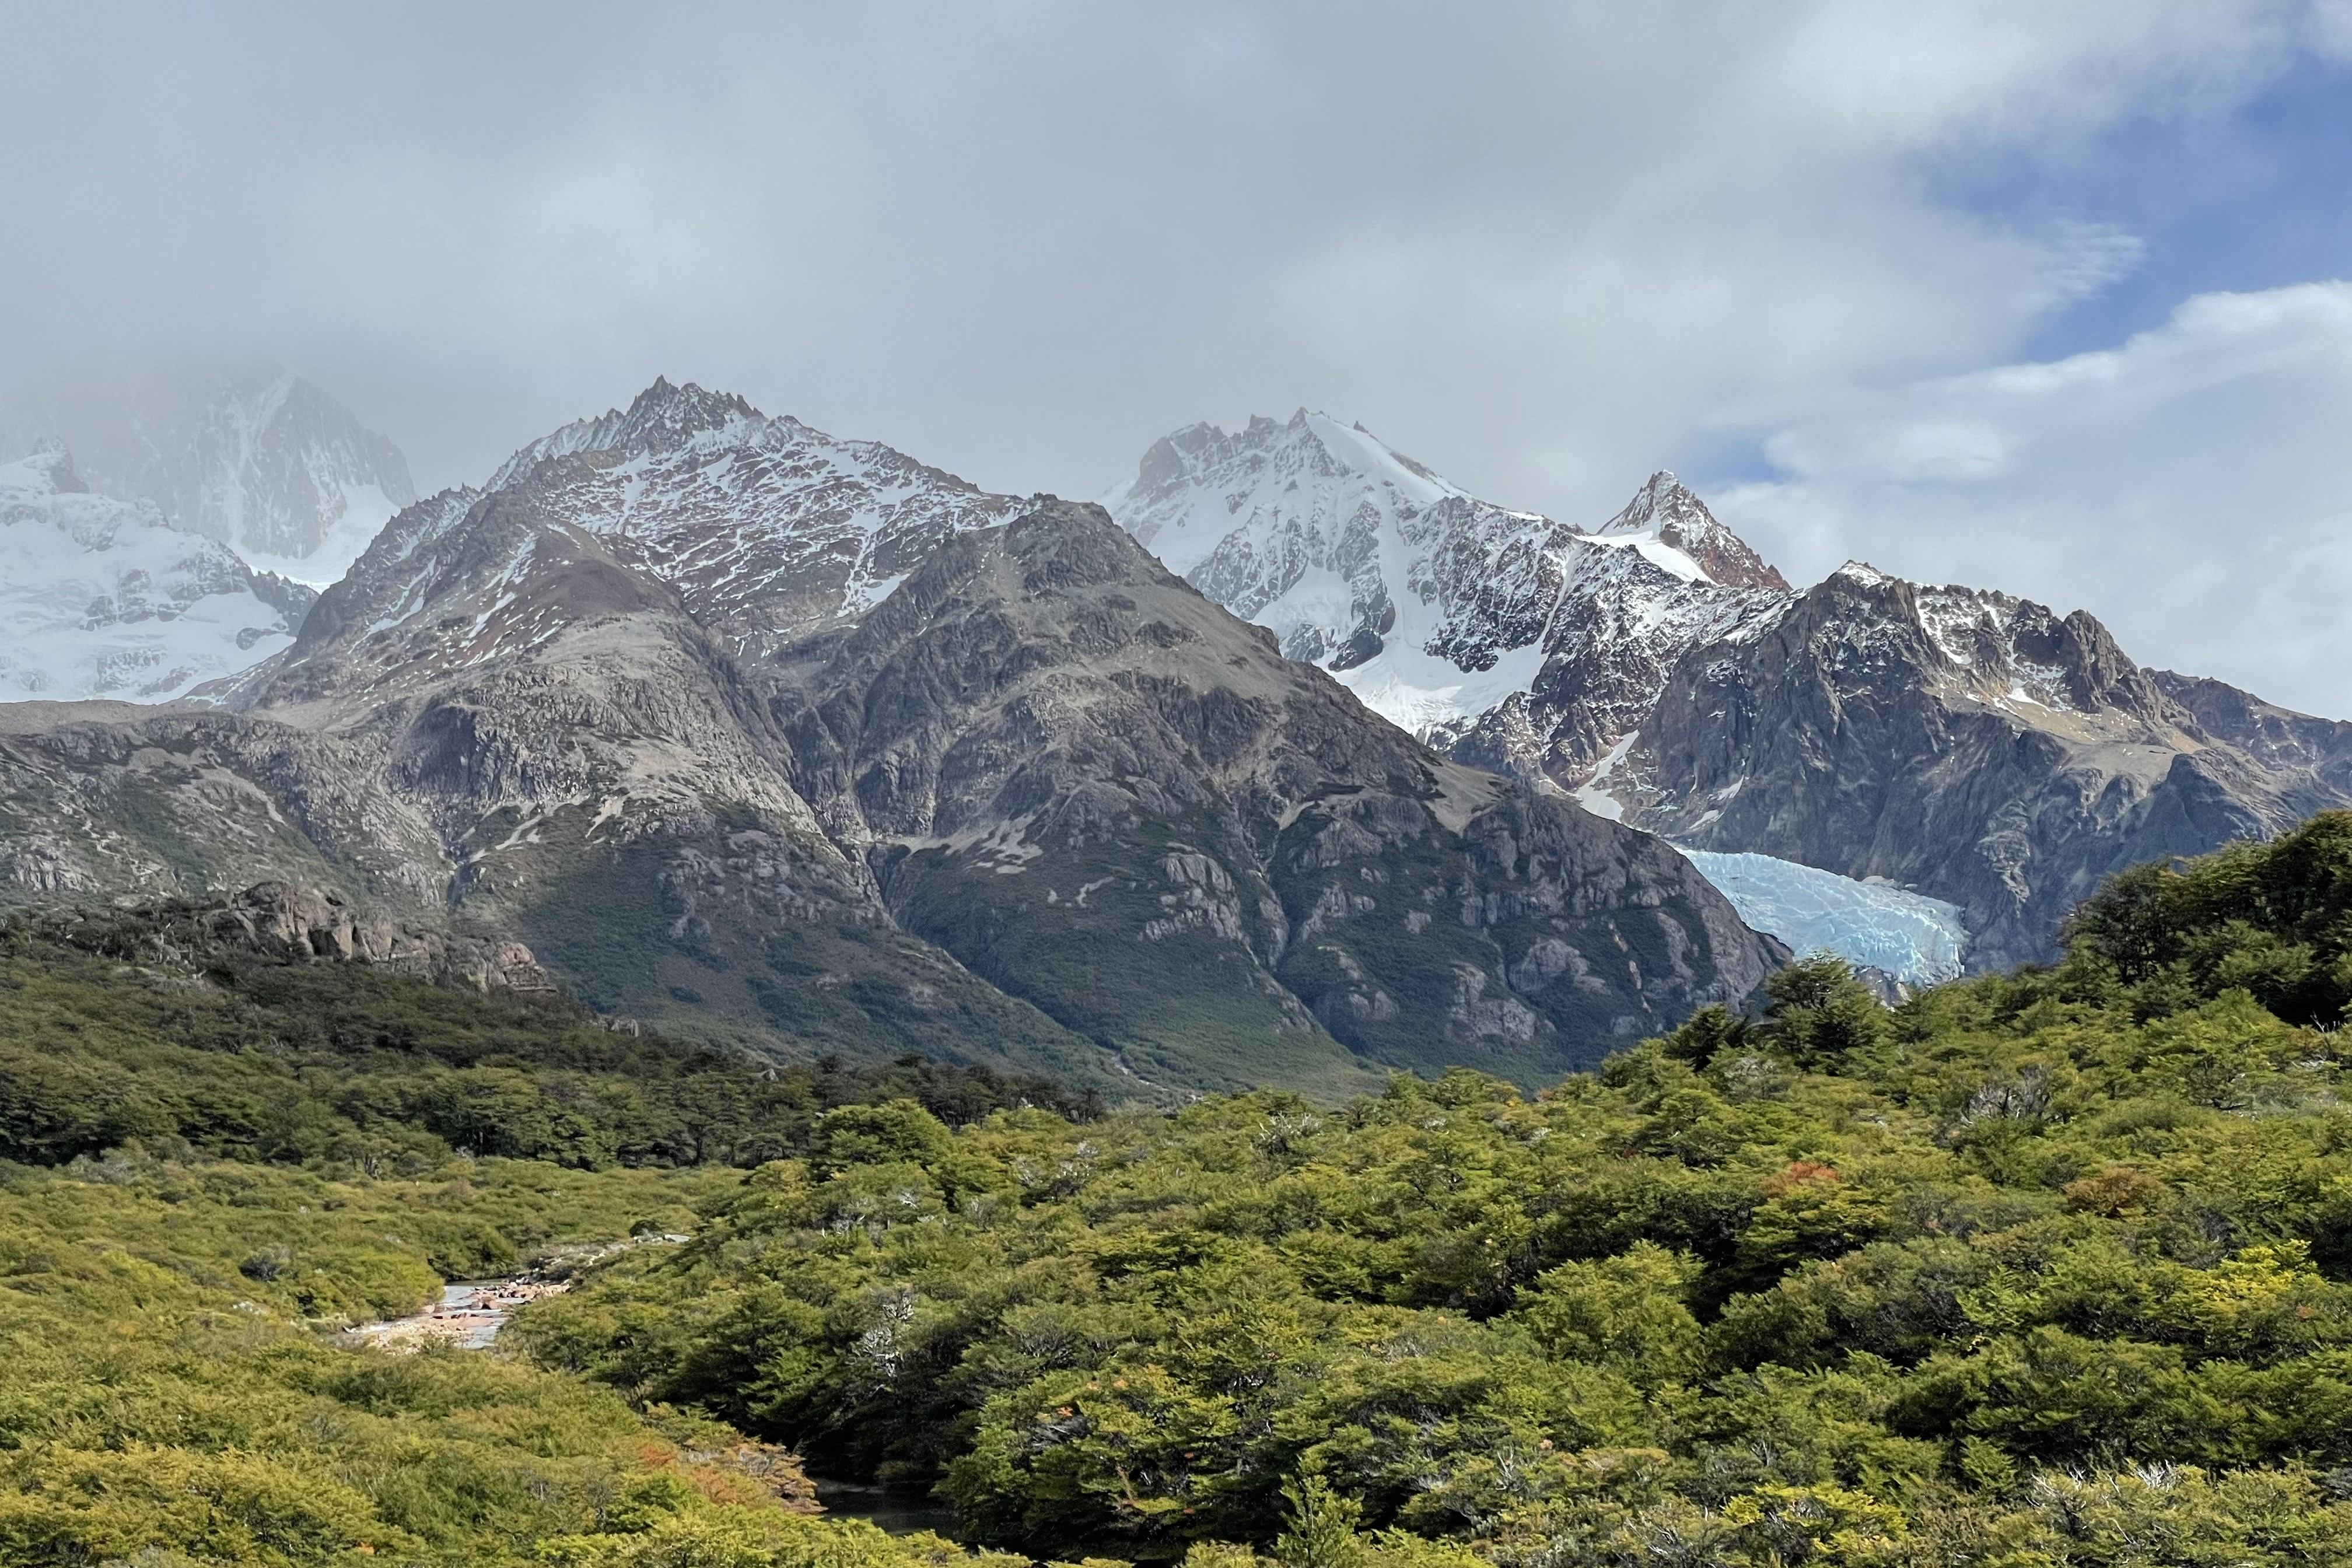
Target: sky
(2051,299)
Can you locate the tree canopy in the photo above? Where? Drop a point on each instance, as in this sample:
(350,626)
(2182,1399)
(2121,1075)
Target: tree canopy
(2038,1270)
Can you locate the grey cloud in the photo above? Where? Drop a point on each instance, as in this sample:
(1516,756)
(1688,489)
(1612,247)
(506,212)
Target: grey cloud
(1544,249)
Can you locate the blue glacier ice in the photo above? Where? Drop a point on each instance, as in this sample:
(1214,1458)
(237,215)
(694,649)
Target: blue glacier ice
(1917,938)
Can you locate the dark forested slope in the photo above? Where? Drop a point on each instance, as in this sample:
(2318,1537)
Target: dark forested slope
(111,1029)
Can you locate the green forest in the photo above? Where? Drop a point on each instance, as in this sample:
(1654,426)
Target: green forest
(2045,1268)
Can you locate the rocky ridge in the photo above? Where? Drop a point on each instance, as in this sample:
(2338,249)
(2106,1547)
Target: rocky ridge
(279,921)
(1966,745)
(765,527)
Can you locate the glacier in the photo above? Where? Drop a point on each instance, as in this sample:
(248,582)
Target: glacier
(1918,940)
(103,598)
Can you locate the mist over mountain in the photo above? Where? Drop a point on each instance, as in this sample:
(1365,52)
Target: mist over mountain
(100,597)
(248,454)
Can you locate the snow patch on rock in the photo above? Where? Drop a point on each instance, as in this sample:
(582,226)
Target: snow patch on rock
(768,528)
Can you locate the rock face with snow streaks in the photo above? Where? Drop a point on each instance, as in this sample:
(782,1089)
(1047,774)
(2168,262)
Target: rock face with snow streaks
(1109,796)
(1965,744)
(766,528)
(1667,513)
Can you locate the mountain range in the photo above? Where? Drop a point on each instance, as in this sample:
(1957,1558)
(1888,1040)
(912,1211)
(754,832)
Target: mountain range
(1290,763)
(795,742)
(1963,744)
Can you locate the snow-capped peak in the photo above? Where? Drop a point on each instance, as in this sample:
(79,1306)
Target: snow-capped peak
(1436,608)
(766,527)
(1663,501)
(1673,527)
(1340,543)
(1196,484)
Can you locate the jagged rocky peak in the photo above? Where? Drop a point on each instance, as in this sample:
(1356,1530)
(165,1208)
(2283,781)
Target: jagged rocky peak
(248,454)
(1964,744)
(2004,649)
(1665,510)
(661,418)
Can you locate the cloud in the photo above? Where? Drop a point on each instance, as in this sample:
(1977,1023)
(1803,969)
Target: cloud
(1533,241)
(1544,249)
(2191,487)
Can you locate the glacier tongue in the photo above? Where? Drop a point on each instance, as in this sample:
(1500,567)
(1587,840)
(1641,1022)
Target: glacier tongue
(1917,938)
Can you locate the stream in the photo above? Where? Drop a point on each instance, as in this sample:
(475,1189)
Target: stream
(898,1512)
(470,1314)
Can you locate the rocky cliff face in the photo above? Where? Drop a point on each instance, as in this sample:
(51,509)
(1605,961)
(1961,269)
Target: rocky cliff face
(284,922)
(790,741)
(1963,744)
(249,455)
(1100,791)
(105,799)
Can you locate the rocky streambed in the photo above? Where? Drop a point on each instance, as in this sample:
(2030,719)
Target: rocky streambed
(471,1313)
